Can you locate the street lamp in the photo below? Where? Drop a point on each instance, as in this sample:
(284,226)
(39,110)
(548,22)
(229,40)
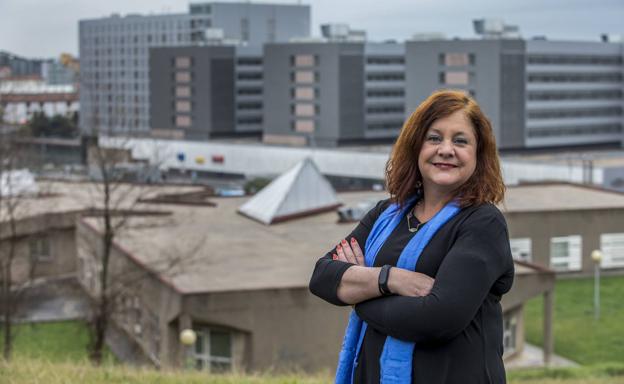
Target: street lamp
(596,256)
(188,337)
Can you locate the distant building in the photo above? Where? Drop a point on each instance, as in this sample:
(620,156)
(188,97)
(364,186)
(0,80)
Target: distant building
(14,65)
(232,288)
(63,71)
(115,56)
(197,93)
(21,98)
(330,93)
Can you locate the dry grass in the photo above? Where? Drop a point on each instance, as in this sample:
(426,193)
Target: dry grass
(35,371)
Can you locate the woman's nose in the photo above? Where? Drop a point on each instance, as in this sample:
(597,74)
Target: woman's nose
(446,148)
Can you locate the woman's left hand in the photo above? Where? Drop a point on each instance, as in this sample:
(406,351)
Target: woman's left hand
(349,253)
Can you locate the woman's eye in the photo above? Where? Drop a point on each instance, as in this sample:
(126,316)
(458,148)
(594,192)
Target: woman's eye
(461,141)
(434,138)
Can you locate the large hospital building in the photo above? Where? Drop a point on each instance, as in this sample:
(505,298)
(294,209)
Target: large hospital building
(241,69)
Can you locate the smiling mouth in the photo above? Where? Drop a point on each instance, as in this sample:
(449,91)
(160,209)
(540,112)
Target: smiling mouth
(444,165)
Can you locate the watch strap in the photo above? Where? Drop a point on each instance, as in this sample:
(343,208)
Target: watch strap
(384,275)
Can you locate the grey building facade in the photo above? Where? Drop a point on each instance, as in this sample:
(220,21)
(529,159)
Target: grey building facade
(204,92)
(537,93)
(114,53)
(314,93)
(492,71)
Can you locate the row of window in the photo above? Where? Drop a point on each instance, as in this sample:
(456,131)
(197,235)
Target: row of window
(249,120)
(576,95)
(385,125)
(575,59)
(243,61)
(249,105)
(385,60)
(563,113)
(385,93)
(249,76)
(382,109)
(385,76)
(566,251)
(575,78)
(577,130)
(244,91)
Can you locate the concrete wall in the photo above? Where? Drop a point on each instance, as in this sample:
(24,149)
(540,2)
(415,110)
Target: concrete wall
(287,328)
(55,229)
(145,306)
(542,226)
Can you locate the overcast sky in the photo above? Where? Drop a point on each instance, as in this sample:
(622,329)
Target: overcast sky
(45,28)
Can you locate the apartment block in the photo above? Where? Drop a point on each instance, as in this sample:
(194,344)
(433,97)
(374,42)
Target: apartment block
(204,92)
(114,52)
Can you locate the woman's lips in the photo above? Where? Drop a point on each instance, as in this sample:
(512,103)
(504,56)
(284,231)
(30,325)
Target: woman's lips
(444,165)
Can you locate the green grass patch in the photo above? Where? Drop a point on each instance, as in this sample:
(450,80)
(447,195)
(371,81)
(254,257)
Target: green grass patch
(52,341)
(26,371)
(578,336)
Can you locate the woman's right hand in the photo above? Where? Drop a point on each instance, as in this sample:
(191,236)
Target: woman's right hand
(409,283)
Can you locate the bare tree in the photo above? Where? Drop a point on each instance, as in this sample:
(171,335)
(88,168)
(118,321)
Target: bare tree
(115,197)
(11,197)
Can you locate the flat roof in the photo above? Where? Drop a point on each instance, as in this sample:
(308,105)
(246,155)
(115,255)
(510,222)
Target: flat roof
(548,197)
(215,249)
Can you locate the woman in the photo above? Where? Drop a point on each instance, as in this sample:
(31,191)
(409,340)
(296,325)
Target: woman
(427,283)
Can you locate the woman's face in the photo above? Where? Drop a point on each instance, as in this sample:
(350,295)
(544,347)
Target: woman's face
(448,156)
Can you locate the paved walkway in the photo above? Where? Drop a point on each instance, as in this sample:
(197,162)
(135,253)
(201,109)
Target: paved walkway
(533,357)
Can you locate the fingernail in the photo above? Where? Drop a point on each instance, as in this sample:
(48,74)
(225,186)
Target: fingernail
(344,241)
(338,247)
(353,240)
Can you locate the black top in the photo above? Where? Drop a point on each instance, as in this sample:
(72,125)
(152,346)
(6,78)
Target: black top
(458,327)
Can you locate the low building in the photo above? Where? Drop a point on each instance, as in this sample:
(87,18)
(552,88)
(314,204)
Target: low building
(20,98)
(189,260)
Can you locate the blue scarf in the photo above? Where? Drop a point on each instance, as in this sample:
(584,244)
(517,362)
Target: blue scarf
(396,357)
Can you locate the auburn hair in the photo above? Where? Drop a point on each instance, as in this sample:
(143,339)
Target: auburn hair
(402,172)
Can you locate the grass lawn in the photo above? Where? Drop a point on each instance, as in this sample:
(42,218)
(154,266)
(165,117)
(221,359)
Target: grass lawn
(54,342)
(578,336)
(33,371)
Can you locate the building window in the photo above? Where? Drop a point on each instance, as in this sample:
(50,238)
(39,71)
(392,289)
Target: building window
(456,59)
(521,249)
(183,91)
(183,106)
(612,246)
(40,249)
(565,253)
(455,77)
(183,62)
(213,350)
(183,77)
(304,93)
(304,110)
(304,77)
(304,60)
(510,330)
(183,121)
(304,126)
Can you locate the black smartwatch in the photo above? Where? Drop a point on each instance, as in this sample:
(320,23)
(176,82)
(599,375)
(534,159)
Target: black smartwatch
(383,280)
